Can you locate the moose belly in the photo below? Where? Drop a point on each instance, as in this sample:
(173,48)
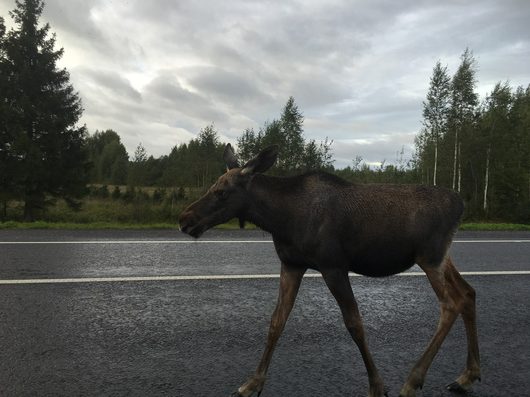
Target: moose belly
(381,260)
(373,259)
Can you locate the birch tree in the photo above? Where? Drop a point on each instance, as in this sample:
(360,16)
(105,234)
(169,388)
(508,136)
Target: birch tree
(463,104)
(436,110)
(500,148)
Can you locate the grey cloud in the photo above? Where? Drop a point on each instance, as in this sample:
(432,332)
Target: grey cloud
(315,92)
(85,23)
(111,82)
(220,84)
(358,70)
(73,17)
(72,20)
(166,87)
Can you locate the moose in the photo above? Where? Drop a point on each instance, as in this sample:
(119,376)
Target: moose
(322,222)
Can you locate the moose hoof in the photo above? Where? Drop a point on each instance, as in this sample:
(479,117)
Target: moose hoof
(456,387)
(237,394)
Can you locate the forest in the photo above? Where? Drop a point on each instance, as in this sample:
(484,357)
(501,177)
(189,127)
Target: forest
(54,170)
(478,147)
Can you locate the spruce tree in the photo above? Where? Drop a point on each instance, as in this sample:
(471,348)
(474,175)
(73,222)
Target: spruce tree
(42,148)
(5,159)
(295,154)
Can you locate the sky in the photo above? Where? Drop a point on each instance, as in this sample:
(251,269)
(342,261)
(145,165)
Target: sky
(158,71)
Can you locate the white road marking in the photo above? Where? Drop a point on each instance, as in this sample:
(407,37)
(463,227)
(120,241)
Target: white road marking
(491,241)
(210,242)
(225,277)
(142,242)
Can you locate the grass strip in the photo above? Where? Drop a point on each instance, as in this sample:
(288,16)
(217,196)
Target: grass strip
(495,227)
(229,226)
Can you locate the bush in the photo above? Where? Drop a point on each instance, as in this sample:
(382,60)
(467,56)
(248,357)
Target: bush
(158,195)
(129,194)
(116,193)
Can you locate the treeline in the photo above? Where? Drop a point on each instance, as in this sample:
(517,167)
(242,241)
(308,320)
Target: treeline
(199,162)
(479,148)
(192,164)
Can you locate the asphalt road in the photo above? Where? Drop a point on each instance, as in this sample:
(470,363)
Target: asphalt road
(195,336)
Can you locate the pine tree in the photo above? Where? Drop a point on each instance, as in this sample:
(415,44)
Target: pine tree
(295,154)
(520,128)
(317,156)
(43,149)
(137,173)
(197,163)
(248,145)
(6,160)
(108,158)
(140,154)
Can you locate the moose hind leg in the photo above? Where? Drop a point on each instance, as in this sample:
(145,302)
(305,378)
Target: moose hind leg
(453,301)
(338,283)
(472,371)
(290,280)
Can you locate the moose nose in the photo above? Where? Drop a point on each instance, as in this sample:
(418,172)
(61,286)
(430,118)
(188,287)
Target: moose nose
(185,221)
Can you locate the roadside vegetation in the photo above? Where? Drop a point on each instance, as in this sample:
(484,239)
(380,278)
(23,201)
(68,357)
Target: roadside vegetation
(233,225)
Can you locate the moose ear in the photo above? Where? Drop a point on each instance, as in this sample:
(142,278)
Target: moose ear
(263,161)
(230,157)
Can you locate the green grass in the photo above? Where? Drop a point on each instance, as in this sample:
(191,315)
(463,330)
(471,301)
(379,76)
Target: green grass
(495,227)
(228,226)
(107,225)
(84,226)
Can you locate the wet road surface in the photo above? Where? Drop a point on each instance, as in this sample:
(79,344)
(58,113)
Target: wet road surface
(203,337)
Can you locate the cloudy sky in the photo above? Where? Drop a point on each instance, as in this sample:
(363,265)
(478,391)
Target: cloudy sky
(158,71)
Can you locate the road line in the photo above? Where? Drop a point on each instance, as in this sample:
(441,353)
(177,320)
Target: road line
(491,241)
(209,242)
(142,242)
(225,277)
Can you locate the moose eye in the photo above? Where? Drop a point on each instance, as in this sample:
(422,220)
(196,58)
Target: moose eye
(222,194)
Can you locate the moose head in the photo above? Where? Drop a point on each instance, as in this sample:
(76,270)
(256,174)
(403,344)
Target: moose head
(228,197)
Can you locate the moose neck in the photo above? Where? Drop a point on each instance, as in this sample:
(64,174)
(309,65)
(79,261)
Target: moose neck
(271,201)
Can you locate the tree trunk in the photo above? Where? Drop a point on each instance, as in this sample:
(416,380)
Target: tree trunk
(435,162)
(459,167)
(4,211)
(29,211)
(455,157)
(33,201)
(486,181)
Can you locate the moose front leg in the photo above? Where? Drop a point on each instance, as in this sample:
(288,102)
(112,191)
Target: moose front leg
(338,283)
(290,279)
